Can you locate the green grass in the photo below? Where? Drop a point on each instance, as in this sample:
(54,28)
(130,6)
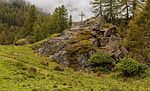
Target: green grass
(16,75)
(36,45)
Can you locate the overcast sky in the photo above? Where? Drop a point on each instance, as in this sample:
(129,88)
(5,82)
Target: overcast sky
(74,6)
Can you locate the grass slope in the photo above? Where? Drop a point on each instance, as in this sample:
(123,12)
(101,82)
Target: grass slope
(17,73)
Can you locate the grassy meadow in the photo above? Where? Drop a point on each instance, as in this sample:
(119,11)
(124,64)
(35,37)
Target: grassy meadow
(21,69)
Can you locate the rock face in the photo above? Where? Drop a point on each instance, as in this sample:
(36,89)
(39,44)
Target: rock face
(74,46)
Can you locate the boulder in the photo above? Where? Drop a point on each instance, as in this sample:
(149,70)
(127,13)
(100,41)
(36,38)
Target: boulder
(74,46)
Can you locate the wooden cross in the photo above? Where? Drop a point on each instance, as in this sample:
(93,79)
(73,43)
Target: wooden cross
(82,15)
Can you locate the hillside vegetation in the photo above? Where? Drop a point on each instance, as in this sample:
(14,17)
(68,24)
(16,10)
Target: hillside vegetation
(23,70)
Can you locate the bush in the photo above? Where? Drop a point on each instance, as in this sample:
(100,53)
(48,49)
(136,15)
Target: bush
(101,62)
(130,67)
(100,58)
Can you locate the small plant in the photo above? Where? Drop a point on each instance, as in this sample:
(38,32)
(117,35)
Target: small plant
(130,67)
(101,62)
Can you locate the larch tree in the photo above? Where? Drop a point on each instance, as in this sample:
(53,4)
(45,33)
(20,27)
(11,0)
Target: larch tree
(97,7)
(138,39)
(105,8)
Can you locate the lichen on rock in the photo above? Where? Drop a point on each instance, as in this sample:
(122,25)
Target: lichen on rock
(74,46)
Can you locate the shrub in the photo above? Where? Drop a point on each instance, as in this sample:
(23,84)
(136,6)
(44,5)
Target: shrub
(101,62)
(100,58)
(130,67)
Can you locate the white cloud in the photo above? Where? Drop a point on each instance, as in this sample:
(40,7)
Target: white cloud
(74,6)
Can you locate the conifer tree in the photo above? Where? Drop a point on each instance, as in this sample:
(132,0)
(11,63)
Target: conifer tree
(128,7)
(98,7)
(138,40)
(58,21)
(105,8)
(31,17)
(125,4)
(70,21)
(63,17)
(3,38)
(37,33)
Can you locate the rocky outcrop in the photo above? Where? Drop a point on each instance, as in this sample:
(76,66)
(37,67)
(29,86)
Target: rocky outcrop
(74,46)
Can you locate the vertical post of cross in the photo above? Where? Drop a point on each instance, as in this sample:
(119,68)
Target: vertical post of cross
(82,15)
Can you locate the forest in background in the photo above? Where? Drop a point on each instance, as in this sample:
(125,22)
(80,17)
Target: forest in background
(21,21)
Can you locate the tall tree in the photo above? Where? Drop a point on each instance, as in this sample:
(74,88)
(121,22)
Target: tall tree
(37,30)
(126,6)
(58,21)
(105,8)
(70,21)
(37,34)
(63,17)
(138,40)
(97,6)
(3,38)
(30,19)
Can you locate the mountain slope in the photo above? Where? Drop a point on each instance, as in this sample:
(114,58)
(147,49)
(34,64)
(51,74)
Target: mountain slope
(23,70)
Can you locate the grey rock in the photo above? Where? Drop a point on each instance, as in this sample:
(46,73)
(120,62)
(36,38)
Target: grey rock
(74,46)
(104,41)
(110,31)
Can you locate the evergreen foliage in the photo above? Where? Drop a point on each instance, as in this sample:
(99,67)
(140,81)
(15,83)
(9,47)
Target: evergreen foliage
(101,62)
(20,20)
(70,21)
(138,39)
(130,67)
(3,37)
(58,21)
(30,20)
(115,9)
